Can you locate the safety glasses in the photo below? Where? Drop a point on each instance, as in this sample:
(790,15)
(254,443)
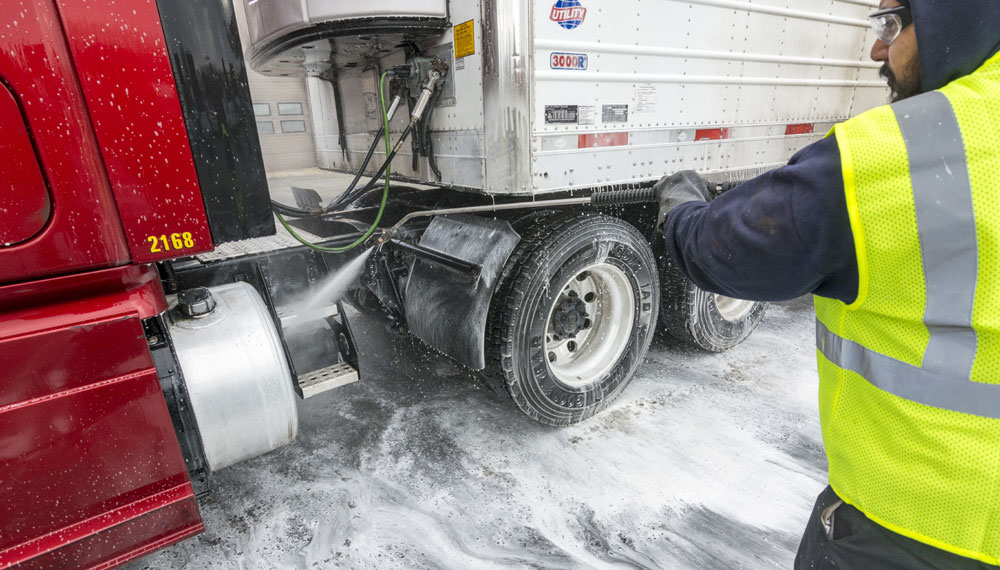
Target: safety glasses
(890,22)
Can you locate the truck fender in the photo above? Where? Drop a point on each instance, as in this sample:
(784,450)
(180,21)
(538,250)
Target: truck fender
(448,309)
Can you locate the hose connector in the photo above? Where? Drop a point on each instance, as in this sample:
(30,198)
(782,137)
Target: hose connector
(400,71)
(425,96)
(437,71)
(393,107)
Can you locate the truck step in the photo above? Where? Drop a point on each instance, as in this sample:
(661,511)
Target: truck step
(319,381)
(290,315)
(280,240)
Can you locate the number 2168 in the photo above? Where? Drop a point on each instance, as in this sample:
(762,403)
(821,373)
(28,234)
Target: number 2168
(174,241)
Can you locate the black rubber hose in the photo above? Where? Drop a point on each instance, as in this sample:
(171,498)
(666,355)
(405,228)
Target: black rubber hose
(338,102)
(339,200)
(385,163)
(415,144)
(428,143)
(357,176)
(304,213)
(354,193)
(296,212)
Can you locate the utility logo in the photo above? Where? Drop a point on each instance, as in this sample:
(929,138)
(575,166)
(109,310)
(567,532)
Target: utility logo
(568,13)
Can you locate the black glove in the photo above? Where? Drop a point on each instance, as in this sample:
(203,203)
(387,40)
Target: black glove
(676,189)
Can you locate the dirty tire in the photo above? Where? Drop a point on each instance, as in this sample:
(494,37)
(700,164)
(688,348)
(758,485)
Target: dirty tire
(693,316)
(555,249)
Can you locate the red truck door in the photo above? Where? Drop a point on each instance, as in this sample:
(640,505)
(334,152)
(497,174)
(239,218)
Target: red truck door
(24,199)
(61,215)
(91,472)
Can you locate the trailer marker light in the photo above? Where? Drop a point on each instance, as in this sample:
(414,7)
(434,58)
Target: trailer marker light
(601,140)
(713,134)
(800,129)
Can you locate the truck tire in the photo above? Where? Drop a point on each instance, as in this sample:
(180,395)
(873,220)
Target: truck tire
(705,320)
(572,316)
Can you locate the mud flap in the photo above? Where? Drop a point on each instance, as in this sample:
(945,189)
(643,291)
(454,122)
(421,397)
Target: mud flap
(446,309)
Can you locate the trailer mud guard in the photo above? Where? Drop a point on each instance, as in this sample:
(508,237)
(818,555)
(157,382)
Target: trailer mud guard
(447,309)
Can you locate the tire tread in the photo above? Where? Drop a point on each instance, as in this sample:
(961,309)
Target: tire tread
(537,233)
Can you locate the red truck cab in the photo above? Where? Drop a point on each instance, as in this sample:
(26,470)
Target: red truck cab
(110,165)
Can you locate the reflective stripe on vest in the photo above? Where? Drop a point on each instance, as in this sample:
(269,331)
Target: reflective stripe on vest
(947,234)
(908,381)
(947,228)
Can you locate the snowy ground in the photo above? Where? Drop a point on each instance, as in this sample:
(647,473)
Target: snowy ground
(707,462)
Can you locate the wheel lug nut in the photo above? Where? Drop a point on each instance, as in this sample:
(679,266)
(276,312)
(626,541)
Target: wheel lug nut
(589,297)
(587,324)
(571,346)
(552,357)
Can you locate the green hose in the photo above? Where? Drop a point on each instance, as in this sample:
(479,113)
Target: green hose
(385,191)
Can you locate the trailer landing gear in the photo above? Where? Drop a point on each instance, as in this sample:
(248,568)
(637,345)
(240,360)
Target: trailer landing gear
(572,316)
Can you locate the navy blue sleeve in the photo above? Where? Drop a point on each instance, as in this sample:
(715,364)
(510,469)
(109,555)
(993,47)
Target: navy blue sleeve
(778,236)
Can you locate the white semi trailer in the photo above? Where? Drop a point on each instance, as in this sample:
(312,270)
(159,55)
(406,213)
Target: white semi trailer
(517,113)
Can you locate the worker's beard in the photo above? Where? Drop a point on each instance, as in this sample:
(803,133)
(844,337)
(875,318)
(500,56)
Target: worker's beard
(902,89)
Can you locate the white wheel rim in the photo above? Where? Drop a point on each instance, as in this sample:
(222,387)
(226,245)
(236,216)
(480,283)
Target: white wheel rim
(732,309)
(607,294)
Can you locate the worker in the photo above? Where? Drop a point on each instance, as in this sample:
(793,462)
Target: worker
(893,222)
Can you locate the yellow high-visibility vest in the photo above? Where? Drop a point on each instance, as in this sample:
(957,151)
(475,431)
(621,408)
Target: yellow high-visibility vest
(910,371)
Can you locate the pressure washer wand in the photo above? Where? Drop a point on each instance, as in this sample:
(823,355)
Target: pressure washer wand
(606,198)
(441,258)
